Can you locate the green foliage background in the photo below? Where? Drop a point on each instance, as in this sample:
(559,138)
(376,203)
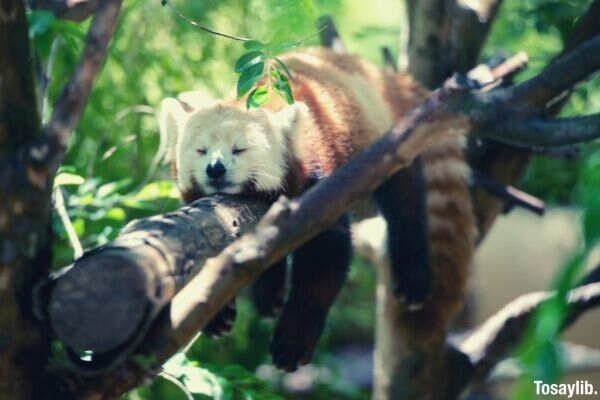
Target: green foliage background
(111,176)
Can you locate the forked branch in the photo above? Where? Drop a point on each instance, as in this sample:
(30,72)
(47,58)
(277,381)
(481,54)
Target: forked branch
(499,335)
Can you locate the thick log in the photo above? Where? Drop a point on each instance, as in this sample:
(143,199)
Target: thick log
(102,301)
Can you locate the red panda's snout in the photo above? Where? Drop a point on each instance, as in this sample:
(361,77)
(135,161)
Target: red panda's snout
(216,171)
(216,174)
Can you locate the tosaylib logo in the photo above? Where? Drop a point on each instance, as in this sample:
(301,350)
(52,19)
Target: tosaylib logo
(579,388)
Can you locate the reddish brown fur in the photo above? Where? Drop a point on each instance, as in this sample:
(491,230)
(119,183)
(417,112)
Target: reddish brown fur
(340,125)
(451,243)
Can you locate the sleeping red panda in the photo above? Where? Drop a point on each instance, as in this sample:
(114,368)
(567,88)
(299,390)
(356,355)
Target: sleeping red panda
(342,104)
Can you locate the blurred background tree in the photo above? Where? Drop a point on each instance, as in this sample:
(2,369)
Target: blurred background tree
(111,174)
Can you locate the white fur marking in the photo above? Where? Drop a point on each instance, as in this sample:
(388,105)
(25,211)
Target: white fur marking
(219,130)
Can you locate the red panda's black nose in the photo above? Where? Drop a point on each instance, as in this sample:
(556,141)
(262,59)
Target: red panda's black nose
(215,170)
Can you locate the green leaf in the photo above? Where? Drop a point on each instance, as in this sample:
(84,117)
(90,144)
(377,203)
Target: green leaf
(591,219)
(257,97)
(39,22)
(249,59)
(254,45)
(163,388)
(284,67)
(249,77)
(282,86)
(67,178)
(163,2)
(79,226)
(116,213)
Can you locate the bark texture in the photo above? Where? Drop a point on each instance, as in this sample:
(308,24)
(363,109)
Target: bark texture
(24,216)
(29,158)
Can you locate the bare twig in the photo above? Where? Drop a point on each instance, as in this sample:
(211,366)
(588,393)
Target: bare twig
(509,193)
(202,27)
(69,106)
(511,66)
(59,205)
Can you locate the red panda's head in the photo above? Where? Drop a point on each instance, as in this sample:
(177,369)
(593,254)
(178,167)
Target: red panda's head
(220,148)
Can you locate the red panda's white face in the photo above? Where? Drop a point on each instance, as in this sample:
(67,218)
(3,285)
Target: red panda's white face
(222,149)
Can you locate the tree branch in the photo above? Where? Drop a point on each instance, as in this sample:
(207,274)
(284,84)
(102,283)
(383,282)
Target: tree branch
(586,28)
(20,121)
(506,164)
(470,23)
(143,267)
(576,359)
(547,133)
(69,106)
(511,66)
(510,194)
(492,341)
(560,76)
(447,37)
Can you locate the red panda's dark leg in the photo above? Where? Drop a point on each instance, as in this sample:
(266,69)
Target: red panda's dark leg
(222,322)
(268,291)
(402,202)
(319,269)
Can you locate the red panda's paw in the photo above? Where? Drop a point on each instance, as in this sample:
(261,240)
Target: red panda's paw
(414,288)
(222,322)
(268,305)
(296,336)
(268,291)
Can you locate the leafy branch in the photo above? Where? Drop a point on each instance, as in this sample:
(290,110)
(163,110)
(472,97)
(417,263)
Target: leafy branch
(204,28)
(259,65)
(260,71)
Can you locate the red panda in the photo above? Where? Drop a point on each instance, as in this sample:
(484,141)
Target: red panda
(342,104)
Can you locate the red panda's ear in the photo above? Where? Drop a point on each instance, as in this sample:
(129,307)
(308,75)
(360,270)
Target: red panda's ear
(171,118)
(195,100)
(286,120)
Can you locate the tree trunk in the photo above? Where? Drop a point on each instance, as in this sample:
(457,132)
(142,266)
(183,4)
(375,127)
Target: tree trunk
(24,217)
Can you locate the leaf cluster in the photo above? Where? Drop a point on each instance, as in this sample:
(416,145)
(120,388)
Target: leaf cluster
(259,67)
